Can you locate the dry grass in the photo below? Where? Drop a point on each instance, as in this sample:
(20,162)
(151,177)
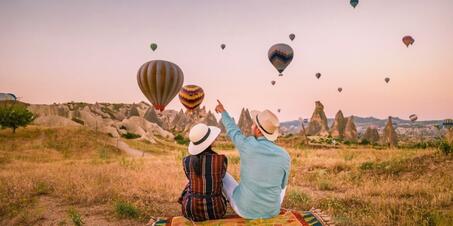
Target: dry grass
(76,169)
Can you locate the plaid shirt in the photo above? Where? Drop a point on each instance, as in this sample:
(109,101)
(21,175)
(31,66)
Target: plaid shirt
(202,199)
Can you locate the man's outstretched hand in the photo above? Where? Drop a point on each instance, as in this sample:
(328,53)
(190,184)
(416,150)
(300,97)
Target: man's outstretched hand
(219,108)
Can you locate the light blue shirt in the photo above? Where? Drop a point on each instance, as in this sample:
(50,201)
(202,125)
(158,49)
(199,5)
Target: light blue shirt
(265,169)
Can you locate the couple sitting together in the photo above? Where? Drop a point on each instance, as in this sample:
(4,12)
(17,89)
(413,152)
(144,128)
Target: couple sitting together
(264,171)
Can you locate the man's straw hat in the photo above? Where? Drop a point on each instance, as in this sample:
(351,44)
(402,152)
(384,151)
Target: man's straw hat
(267,122)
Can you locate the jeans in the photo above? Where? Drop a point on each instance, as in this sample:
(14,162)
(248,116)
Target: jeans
(229,184)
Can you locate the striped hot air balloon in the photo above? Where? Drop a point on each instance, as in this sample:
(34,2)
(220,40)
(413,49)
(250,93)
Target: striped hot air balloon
(408,40)
(191,96)
(7,97)
(280,55)
(413,117)
(160,81)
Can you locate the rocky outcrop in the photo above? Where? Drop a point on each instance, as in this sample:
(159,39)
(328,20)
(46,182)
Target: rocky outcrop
(245,122)
(145,129)
(371,135)
(350,130)
(318,122)
(151,116)
(390,137)
(338,126)
(181,122)
(55,121)
(210,120)
(133,111)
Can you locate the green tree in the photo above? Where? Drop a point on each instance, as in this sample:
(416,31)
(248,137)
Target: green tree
(15,116)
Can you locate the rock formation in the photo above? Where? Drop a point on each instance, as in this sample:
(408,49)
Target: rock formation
(133,111)
(350,130)
(245,122)
(210,120)
(390,137)
(151,116)
(145,129)
(338,126)
(371,135)
(318,122)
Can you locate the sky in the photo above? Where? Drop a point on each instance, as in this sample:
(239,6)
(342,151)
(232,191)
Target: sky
(90,51)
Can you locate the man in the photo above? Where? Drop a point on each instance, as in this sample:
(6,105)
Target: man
(264,169)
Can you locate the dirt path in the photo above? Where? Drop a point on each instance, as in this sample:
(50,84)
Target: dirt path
(127,149)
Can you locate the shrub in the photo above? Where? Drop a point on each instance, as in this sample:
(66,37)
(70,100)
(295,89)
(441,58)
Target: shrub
(364,142)
(131,135)
(181,140)
(126,210)
(445,148)
(15,116)
(75,217)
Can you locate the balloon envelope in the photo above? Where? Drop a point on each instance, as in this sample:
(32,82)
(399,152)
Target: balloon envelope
(340,89)
(191,96)
(387,80)
(413,117)
(7,97)
(222,46)
(408,40)
(292,36)
(273,82)
(160,81)
(280,55)
(153,46)
(318,75)
(354,3)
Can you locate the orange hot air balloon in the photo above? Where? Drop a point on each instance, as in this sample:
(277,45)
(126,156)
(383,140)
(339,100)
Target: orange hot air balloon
(160,81)
(191,96)
(408,40)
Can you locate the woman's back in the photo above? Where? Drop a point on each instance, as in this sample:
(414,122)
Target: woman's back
(203,198)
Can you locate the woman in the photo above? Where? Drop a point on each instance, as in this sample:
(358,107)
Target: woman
(202,199)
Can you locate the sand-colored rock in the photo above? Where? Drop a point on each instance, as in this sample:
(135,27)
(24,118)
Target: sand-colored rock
(55,121)
(390,137)
(133,111)
(350,130)
(245,122)
(371,135)
(318,122)
(338,126)
(210,120)
(142,127)
(151,116)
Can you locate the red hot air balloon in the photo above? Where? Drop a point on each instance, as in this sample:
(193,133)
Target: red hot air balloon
(191,96)
(408,40)
(160,81)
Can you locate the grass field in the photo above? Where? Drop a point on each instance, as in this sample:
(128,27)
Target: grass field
(74,176)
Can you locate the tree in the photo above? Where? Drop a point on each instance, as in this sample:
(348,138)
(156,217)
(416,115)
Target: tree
(15,116)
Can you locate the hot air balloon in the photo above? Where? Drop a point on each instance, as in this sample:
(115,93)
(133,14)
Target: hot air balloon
(153,46)
(279,110)
(160,81)
(387,80)
(340,89)
(273,82)
(408,40)
(223,46)
(280,55)
(191,96)
(318,75)
(7,97)
(413,117)
(354,3)
(292,37)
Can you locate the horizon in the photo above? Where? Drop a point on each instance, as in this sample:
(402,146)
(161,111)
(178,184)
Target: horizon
(90,51)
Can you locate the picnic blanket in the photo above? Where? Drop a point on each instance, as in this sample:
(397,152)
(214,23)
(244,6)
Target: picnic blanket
(313,217)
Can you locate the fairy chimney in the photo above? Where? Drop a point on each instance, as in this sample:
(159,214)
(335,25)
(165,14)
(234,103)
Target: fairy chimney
(371,135)
(350,130)
(390,137)
(318,122)
(338,125)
